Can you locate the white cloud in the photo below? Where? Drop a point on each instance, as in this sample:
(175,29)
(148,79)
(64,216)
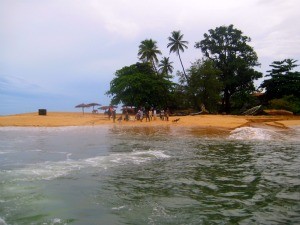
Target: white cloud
(54,45)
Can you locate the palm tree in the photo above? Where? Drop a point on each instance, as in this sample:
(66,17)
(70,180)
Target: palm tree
(148,52)
(165,66)
(176,45)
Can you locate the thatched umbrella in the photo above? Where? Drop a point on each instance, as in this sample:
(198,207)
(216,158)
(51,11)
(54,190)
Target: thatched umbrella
(82,105)
(94,104)
(107,107)
(104,107)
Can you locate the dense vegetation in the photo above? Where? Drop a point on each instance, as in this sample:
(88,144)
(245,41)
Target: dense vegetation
(222,79)
(282,90)
(139,85)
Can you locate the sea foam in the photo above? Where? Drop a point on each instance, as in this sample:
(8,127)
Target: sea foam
(2,222)
(50,170)
(252,133)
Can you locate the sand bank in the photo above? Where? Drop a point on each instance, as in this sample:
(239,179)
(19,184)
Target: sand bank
(55,119)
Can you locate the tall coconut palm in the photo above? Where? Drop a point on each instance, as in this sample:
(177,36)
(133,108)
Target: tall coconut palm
(165,66)
(148,52)
(176,45)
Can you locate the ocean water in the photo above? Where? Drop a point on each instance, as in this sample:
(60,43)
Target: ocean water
(149,175)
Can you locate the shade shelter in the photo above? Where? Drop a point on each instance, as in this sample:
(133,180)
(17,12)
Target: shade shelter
(106,107)
(93,105)
(82,105)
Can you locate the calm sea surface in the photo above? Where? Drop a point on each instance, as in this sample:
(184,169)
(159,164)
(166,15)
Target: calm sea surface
(149,175)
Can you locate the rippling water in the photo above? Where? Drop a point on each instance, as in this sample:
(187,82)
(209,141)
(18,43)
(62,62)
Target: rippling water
(149,175)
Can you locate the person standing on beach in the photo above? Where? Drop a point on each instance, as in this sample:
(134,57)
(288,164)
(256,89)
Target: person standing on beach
(150,113)
(147,115)
(162,114)
(126,115)
(114,115)
(167,114)
(141,115)
(109,112)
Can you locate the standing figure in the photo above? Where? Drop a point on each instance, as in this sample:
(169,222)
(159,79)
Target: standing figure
(162,114)
(126,115)
(141,115)
(147,115)
(167,114)
(114,115)
(109,112)
(150,113)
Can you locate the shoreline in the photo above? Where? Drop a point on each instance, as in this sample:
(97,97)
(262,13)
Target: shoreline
(62,119)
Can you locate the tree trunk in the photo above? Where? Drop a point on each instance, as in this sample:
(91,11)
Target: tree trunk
(183,68)
(154,67)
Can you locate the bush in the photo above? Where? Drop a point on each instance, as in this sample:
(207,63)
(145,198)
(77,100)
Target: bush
(289,103)
(242,101)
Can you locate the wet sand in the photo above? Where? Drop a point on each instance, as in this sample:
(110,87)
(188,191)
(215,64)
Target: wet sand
(56,119)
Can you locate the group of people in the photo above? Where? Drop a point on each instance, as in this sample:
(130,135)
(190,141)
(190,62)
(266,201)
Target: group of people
(149,115)
(152,114)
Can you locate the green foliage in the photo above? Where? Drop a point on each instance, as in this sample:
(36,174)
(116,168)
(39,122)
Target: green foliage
(282,67)
(204,85)
(223,80)
(229,50)
(181,98)
(177,45)
(241,101)
(283,81)
(148,52)
(289,103)
(165,67)
(138,85)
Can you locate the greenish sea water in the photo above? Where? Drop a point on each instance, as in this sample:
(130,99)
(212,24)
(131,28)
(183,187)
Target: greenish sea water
(149,175)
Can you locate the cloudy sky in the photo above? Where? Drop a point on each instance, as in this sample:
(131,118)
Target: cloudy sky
(55,54)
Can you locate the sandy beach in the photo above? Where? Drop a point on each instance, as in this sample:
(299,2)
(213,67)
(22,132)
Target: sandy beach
(56,119)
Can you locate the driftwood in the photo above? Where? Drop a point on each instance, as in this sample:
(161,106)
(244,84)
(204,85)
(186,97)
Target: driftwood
(252,111)
(278,112)
(203,111)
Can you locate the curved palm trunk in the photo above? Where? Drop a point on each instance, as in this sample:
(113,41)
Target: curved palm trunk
(183,68)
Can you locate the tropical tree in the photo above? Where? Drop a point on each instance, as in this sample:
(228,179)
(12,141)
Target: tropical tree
(148,52)
(165,66)
(228,48)
(180,98)
(204,85)
(177,45)
(138,85)
(283,81)
(282,90)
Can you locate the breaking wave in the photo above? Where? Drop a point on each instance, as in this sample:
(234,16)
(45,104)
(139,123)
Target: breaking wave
(253,133)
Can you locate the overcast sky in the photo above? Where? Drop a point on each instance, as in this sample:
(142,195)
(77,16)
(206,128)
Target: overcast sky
(55,54)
